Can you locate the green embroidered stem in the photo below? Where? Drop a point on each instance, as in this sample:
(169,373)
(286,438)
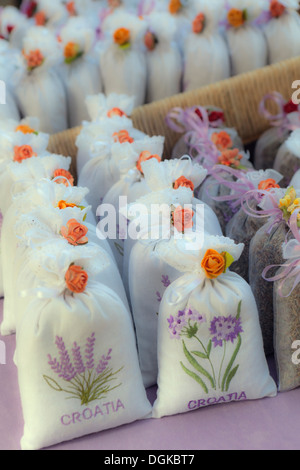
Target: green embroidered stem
(195,377)
(196,365)
(207,352)
(221,366)
(235,353)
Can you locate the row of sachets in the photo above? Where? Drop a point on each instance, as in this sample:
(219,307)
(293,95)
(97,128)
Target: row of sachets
(257,203)
(148,49)
(83,360)
(196,321)
(76,356)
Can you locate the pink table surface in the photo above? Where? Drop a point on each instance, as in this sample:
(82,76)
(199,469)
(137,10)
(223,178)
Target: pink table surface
(267,424)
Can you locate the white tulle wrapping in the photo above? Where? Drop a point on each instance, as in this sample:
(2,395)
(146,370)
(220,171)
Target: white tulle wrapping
(211,298)
(97,313)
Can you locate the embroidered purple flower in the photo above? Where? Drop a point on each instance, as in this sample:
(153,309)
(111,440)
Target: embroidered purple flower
(158,297)
(165,281)
(186,323)
(225,329)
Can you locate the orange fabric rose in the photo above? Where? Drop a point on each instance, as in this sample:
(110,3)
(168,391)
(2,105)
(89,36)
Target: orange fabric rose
(230,158)
(75,233)
(22,153)
(236,18)
(122,137)
(66,174)
(145,156)
(182,218)
(71,9)
(150,40)
(213,263)
(40,18)
(198,23)
(34,59)
(122,36)
(25,129)
(114,3)
(183,181)
(174,6)
(276,9)
(76,279)
(71,51)
(64,204)
(268,184)
(221,140)
(115,112)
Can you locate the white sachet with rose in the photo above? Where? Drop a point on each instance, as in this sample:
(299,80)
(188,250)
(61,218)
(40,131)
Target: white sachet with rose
(40,92)
(76,352)
(100,108)
(164,61)
(245,39)
(158,217)
(42,193)
(205,42)
(80,70)
(282,30)
(122,59)
(131,185)
(101,171)
(210,347)
(46,226)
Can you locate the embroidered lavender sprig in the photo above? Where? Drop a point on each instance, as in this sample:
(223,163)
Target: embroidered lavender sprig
(83,380)
(89,352)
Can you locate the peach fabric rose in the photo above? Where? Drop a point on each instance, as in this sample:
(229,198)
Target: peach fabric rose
(230,158)
(182,219)
(23,152)
(63,204)
(221,140)
(65,174)
(75,233)
(71,9)
(76,279)
(268,184)
(114,3)
(276,9)
(34,59)
(122,36)
(150,40)
(213,263)
(235,17)
(198,23)
(145,156)
(174,6)
(122,137)
(25,129)
(115,112)
(183,181)
(40,18)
